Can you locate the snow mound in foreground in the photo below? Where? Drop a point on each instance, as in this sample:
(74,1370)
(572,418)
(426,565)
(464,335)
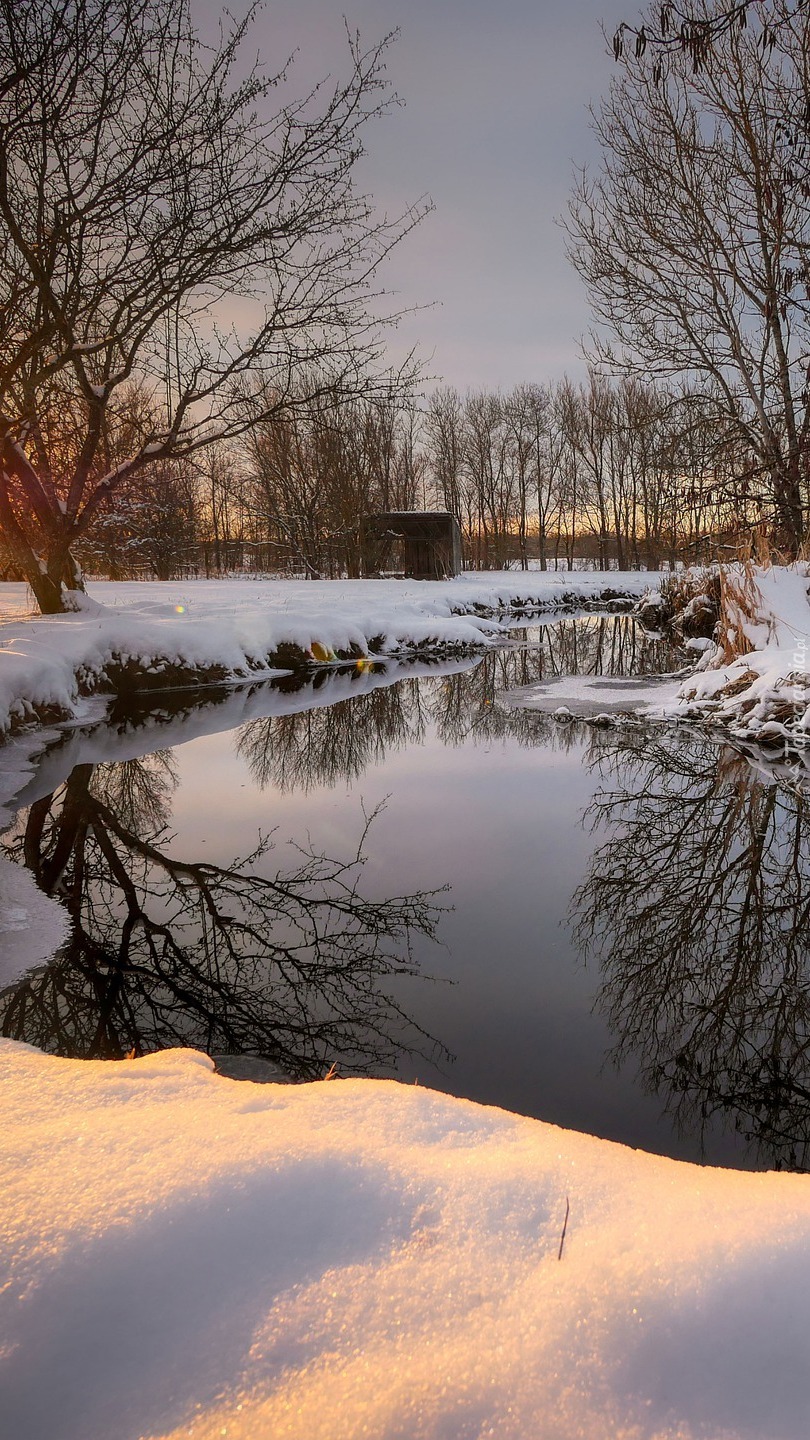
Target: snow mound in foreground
(190,1255)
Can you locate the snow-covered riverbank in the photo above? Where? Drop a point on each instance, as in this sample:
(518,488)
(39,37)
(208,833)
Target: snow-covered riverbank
(189,1255)
(764,693)
(132,637)
(139,636)
(186,1255)
(752,682)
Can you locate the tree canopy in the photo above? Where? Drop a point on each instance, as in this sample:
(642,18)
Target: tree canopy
(172,230)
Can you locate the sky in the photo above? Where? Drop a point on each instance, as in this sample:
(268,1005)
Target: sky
(494,122)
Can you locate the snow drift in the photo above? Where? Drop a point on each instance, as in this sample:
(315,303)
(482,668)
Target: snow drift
(190,1255)
(756,681)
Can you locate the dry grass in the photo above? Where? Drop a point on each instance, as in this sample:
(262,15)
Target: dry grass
(742,606)
(690,601)
(723,602)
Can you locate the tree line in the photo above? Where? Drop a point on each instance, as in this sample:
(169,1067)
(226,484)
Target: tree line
(612,474)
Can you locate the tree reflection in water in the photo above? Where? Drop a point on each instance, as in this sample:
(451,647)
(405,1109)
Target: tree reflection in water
(338,742)
(165,951)
(334,743)
(298,967)
(698,908)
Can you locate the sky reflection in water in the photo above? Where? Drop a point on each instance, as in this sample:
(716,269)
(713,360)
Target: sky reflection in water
(627,949)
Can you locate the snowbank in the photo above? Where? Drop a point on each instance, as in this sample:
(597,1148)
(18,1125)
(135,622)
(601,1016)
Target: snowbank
(32,925)
(761,695)
(153,635)
(187,1255)
(764,693)
(139,636)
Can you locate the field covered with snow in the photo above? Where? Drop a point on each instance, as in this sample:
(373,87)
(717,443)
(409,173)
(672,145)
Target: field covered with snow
(236,630)
(187,1255)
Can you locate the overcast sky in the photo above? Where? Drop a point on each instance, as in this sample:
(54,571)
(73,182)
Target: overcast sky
(494,121)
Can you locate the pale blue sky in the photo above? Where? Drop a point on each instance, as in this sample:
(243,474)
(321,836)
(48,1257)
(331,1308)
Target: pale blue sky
(495,119)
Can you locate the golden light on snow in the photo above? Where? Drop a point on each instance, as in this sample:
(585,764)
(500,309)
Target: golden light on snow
(352,1236)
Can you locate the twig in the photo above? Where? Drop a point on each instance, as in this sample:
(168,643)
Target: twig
(565,1227)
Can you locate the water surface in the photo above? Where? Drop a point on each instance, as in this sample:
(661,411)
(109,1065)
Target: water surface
(627,944)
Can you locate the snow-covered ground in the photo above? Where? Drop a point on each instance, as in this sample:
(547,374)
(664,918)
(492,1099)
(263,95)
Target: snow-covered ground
(239,625)
(32,925)
(187,1255)
(763,695)
(237,631)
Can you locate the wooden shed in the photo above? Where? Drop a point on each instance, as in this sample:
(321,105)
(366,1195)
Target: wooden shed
(422,544)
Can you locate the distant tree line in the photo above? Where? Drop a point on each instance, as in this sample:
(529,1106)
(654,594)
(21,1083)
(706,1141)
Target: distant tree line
(623,473)
(612,474)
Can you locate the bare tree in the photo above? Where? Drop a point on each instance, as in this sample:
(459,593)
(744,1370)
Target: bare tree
(151,526)
(670,29)
(443,428)
(492,475)
(314,471)
(523,420)
(158,224)
(694,239)
(548,446)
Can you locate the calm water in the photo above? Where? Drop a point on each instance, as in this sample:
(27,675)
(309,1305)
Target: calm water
(619,941)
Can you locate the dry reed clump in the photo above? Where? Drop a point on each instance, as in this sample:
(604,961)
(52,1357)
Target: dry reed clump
(742,610)
(723,603)
(688,602)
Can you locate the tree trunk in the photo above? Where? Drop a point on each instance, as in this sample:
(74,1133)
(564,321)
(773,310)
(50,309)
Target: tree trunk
(790,517)
(48,596)
(51,581)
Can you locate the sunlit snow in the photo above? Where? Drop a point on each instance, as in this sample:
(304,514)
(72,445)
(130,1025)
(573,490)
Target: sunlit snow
(191,1255)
